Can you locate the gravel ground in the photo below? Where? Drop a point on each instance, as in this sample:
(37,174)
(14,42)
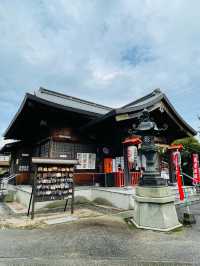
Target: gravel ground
(105,240)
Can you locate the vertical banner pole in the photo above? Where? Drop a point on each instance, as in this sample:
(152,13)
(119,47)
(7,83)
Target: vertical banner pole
(30,202)
(33,197)
(72,200)
(66,204)
(105,180)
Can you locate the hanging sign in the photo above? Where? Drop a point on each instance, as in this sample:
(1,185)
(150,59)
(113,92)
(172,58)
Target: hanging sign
(121,117)
(195,161)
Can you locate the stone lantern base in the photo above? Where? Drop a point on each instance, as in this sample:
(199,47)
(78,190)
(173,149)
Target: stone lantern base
(155,209)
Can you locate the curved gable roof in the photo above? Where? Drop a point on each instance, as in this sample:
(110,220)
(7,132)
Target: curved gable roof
(99,113)
(154,95)
(59,101)
(152,101)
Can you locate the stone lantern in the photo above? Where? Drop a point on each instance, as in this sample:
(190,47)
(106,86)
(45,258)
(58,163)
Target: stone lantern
(148,129)
(154,202)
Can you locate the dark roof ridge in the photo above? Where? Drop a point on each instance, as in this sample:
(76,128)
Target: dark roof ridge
(62,95)
(154,92)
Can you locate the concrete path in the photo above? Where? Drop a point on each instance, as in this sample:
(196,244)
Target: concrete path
(104,240)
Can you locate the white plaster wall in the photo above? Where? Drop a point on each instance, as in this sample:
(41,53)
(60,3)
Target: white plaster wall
(118,200)
(122,199)
(23,194)
(118,197)
(85,192)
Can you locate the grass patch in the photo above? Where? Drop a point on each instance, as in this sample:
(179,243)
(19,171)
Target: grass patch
(129,223)
(9,197)
(176,230)
(81,200)
(61,203)
(56,204)
(102,201)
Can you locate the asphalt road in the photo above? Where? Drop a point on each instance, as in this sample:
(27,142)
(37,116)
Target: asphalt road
(100,241)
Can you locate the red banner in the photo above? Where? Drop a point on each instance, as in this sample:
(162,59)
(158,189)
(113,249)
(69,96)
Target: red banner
(179,182)
(195,160)
(177,162)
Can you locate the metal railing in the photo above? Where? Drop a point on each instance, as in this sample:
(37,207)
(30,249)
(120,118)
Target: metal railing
(4,158)
(190,177)
(115,179)
(5,180)
(196,185)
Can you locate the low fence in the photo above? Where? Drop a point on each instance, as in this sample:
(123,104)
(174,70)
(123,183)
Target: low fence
(4,180)
(106,180)
(4,158)
(120,180)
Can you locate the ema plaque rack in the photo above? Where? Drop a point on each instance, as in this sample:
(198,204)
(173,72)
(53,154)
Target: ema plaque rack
(52,180)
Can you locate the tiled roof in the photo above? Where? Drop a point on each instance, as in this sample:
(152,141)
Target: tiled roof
(71,101)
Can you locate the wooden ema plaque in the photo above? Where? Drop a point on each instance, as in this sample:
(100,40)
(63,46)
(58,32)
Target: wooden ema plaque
(52,182)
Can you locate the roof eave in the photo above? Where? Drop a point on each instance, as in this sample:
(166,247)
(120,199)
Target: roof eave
(16,115)
(192,131)
(160,98)
(29,96)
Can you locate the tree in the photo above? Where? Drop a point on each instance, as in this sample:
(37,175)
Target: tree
(190,145)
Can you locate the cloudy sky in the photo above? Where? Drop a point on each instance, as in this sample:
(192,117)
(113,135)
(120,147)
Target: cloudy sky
(107,51)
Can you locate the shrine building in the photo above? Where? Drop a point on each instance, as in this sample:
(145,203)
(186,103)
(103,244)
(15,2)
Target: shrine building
(52,125)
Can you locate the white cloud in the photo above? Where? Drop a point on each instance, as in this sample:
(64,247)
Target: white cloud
(107,51)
